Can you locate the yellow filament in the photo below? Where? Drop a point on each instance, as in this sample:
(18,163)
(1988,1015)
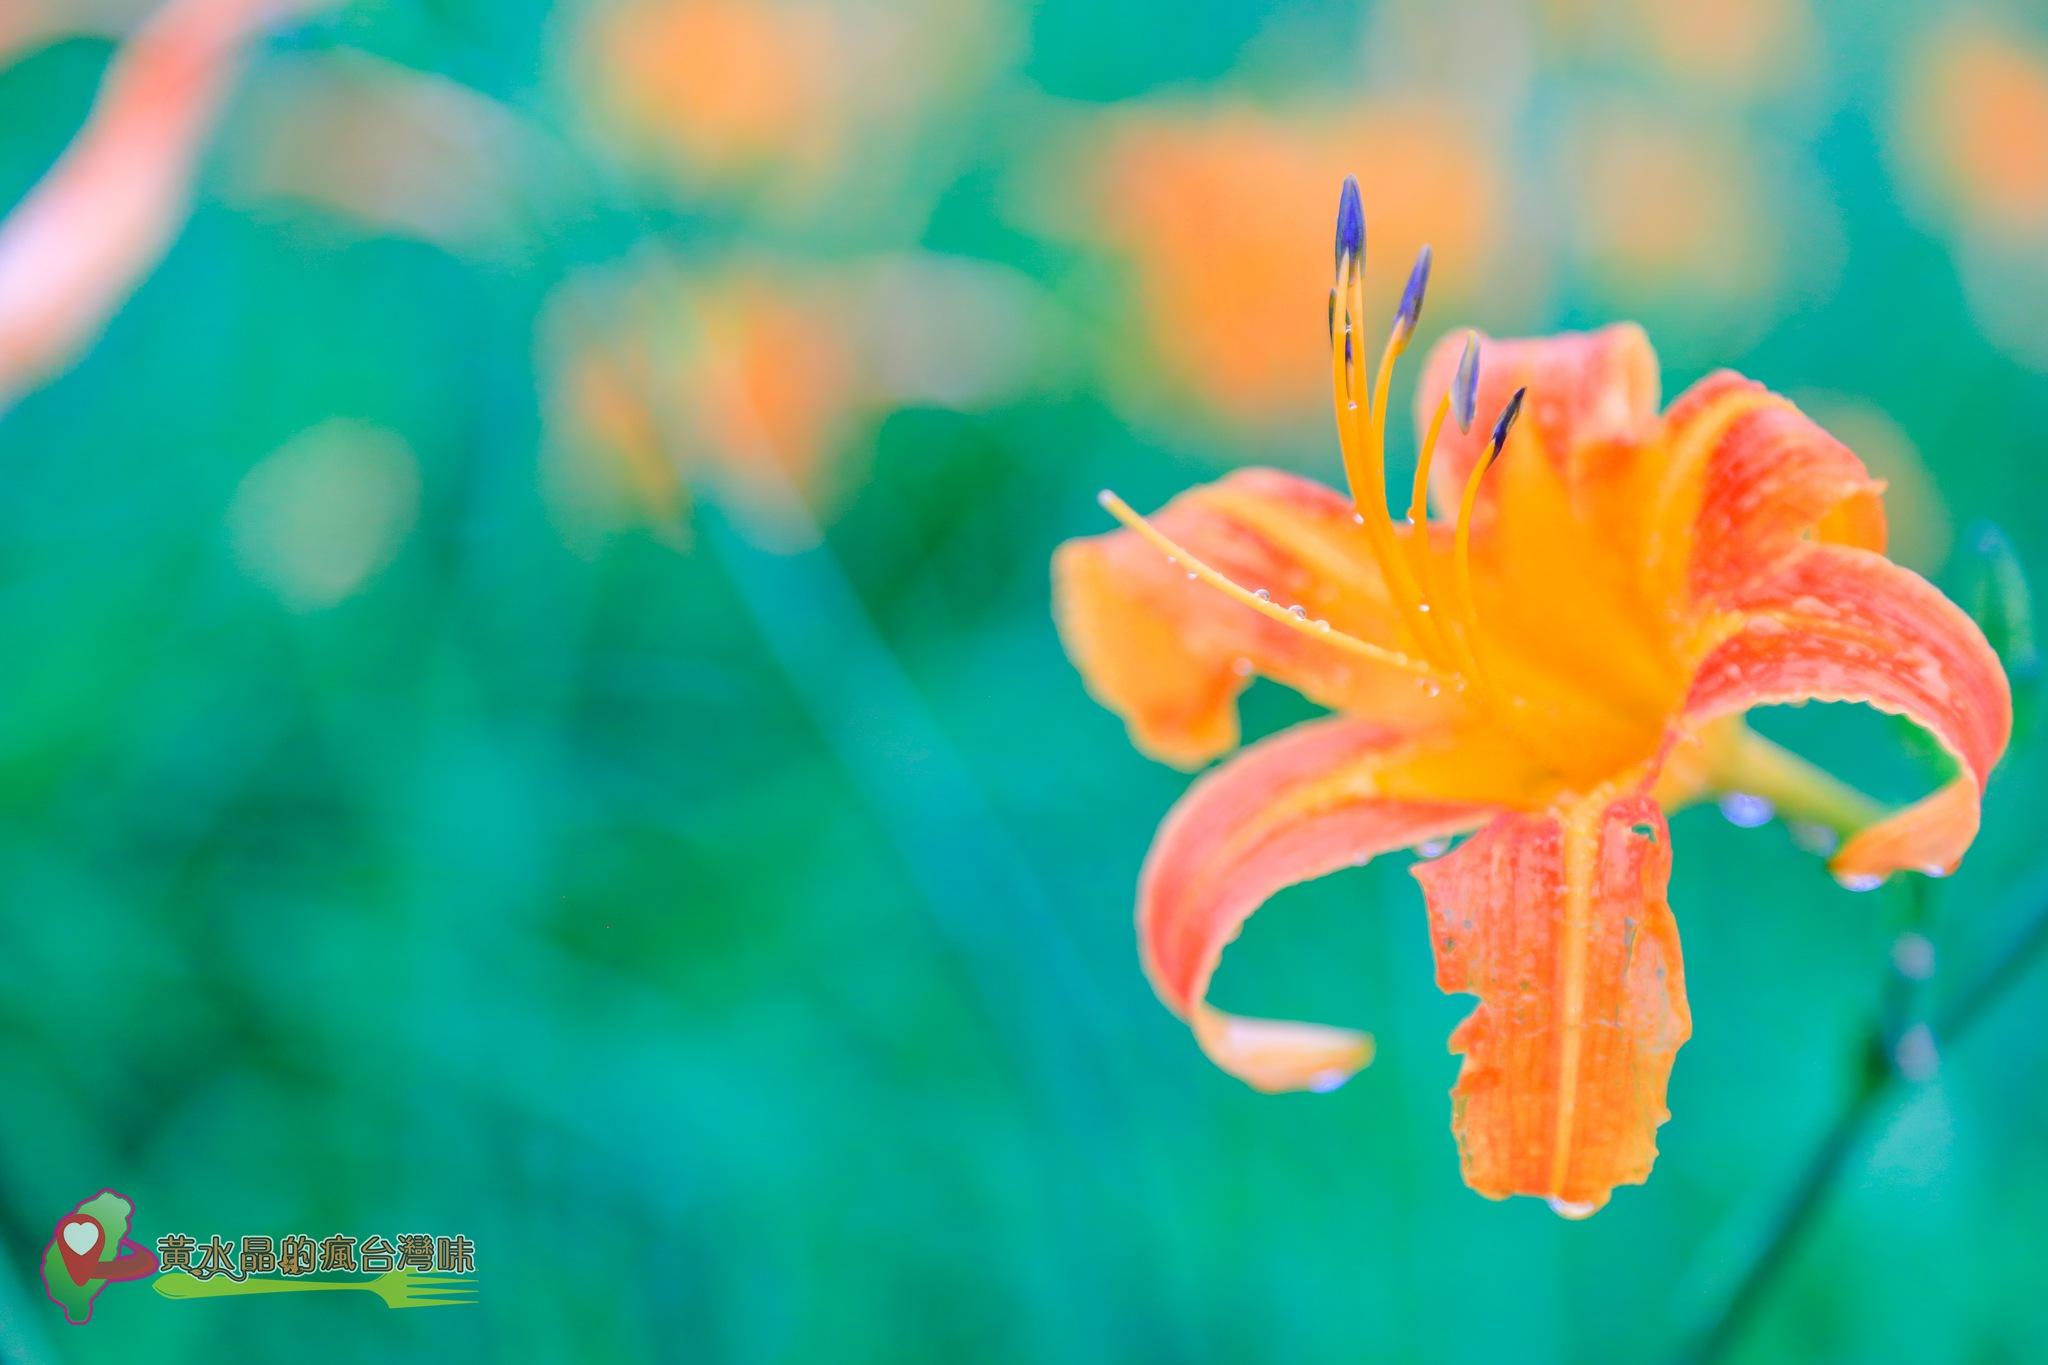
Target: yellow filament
(1347,387)
(1409,601)
(1461,559)
(1362,437)
(1454,631)
(1418,501)
(1319,630)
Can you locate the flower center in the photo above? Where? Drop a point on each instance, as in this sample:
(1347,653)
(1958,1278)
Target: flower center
(1572,734)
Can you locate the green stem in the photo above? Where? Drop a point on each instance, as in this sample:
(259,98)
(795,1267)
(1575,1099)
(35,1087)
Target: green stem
(1798,1211)
(1903,1007)
(1795,788)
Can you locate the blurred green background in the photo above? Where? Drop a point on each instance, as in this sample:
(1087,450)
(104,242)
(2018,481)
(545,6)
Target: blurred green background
(531,709)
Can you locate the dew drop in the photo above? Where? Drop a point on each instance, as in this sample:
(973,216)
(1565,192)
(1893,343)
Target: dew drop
(1322,624)
(1323,1082)
(1432,848)
(1565,1208)
(1241,667)
(1192,575)
(1859,881)
(1745,811)
(1913,956)
(1298,611)
(1263,595)
(1934,870)
(1422,606)
(1915,1055)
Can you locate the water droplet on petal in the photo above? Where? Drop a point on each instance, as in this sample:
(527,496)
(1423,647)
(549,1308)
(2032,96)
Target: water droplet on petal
(1859,881)
(1322,624)
(1565,1208)
(1432,848)
(1323,1082)
(1241,667)
(1192,575)
(1263,595)
(1745,811)
(1935,870)
(1298,611)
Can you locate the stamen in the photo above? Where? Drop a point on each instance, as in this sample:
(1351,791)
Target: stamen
(1350,225)
(1410,311)
(1461,551)
(1419,550)
(1465,388)
(1508,415)
(1409,601)
(1272,611)
(1462,400)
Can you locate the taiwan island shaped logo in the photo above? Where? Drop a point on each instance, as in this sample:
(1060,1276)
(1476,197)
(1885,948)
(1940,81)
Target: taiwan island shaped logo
(89,1250)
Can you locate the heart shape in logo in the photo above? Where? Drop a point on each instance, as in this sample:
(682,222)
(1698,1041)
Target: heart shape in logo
(79,1238)
(81,1234)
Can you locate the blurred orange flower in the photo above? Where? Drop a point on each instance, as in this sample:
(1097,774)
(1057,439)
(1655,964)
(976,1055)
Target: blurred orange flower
(1564,654)
(723,84)
(1663,205)
(771,94)
(103,217)
(659,377)
(1977,124)
(753,374)
(1206,203)
(1972,139)
(388,150)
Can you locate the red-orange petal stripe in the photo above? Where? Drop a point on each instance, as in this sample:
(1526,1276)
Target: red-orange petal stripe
(1749,478)
(1170,655)
(1558,923)
(1587,390)
(1835,623)
(1295,807)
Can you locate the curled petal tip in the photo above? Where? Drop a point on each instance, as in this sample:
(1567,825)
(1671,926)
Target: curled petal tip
(1465,388)
(1506,423)
(1410,311)
(1350,222)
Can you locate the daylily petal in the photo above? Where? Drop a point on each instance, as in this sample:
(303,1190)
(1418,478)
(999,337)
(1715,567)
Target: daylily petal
(105,214)
(1745,478)
(1325,795)
(1558,923)
(1836,623)
(1588,392)
(1171,655)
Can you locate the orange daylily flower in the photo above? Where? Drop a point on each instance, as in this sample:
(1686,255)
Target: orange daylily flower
(103,217)
(1551,664)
